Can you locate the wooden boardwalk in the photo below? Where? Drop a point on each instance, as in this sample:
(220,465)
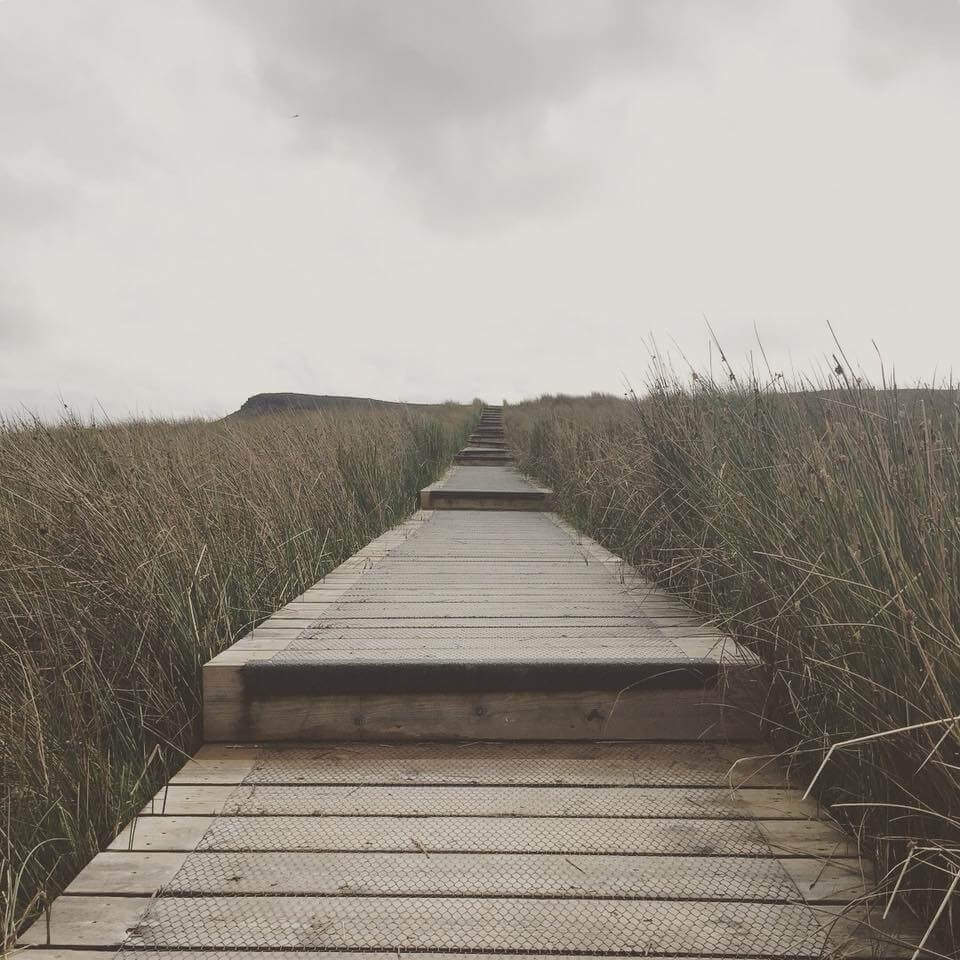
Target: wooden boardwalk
(482,734)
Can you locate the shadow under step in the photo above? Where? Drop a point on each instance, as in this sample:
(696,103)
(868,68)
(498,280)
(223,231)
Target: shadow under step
(484,456)
(409,695)
(446,498)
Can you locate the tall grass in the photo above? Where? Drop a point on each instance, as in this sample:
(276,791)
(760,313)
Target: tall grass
(129,555)
(822,528)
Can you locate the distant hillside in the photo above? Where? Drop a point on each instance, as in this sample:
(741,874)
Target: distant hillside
(262,403)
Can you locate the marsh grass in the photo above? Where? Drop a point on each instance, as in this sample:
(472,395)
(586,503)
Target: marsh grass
(822,527)
(132,553)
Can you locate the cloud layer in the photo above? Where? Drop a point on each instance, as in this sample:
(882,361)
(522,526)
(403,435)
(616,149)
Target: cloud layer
(463,103)
(203,199)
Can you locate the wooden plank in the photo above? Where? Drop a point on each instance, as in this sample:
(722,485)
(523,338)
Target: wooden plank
(287,624)
(479,593)
(447,499)
(190,801)
(545,652)
(235,658)
(543,572)
(368,584)
(838,879)
(53,953)
(116,873)
(258,640)
(329,592)
(341,624)
(498,568)
(231,712)
(100,922)
(496,480)
(218,763)
(389,617)
(705,645)
(570,610)
(577,763)
(438,640)
(469,924)
(698,802)
(56,953)
(807,838)
(402,569)
(289,873)
(162,834)
(423,563)
(568,835)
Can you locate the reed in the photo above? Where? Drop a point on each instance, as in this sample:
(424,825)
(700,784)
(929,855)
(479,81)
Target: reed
(132,553)
(820,525)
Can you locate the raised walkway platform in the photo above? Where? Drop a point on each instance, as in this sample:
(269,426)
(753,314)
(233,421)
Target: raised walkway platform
(482,734)
(477,625)
(493,486)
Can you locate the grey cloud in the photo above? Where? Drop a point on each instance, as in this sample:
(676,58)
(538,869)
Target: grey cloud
(457,99)
(429,62)
(888,38)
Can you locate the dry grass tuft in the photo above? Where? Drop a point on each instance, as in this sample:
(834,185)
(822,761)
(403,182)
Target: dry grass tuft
(823,529)
(132,553)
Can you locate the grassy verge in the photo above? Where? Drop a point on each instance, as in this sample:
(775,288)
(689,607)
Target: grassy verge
(129,555)
(823,528)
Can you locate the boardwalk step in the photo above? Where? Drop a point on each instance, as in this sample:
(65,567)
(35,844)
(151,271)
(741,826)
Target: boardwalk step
(333,848)
(494,488)
(236,708)
(380,923)
(441,928)
(492,626)
(453,499)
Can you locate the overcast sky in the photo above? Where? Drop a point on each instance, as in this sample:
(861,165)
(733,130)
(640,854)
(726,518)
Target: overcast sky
(427,199)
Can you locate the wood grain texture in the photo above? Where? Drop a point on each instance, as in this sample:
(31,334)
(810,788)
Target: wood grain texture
(231,713)
(649,837)
(101,922)
(373,799)
(585,763)
(361,873)
(126,873)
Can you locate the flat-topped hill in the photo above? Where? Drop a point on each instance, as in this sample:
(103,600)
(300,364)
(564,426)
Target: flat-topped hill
(261,403)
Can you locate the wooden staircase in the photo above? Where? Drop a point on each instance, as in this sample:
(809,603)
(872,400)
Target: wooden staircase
(487,444)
